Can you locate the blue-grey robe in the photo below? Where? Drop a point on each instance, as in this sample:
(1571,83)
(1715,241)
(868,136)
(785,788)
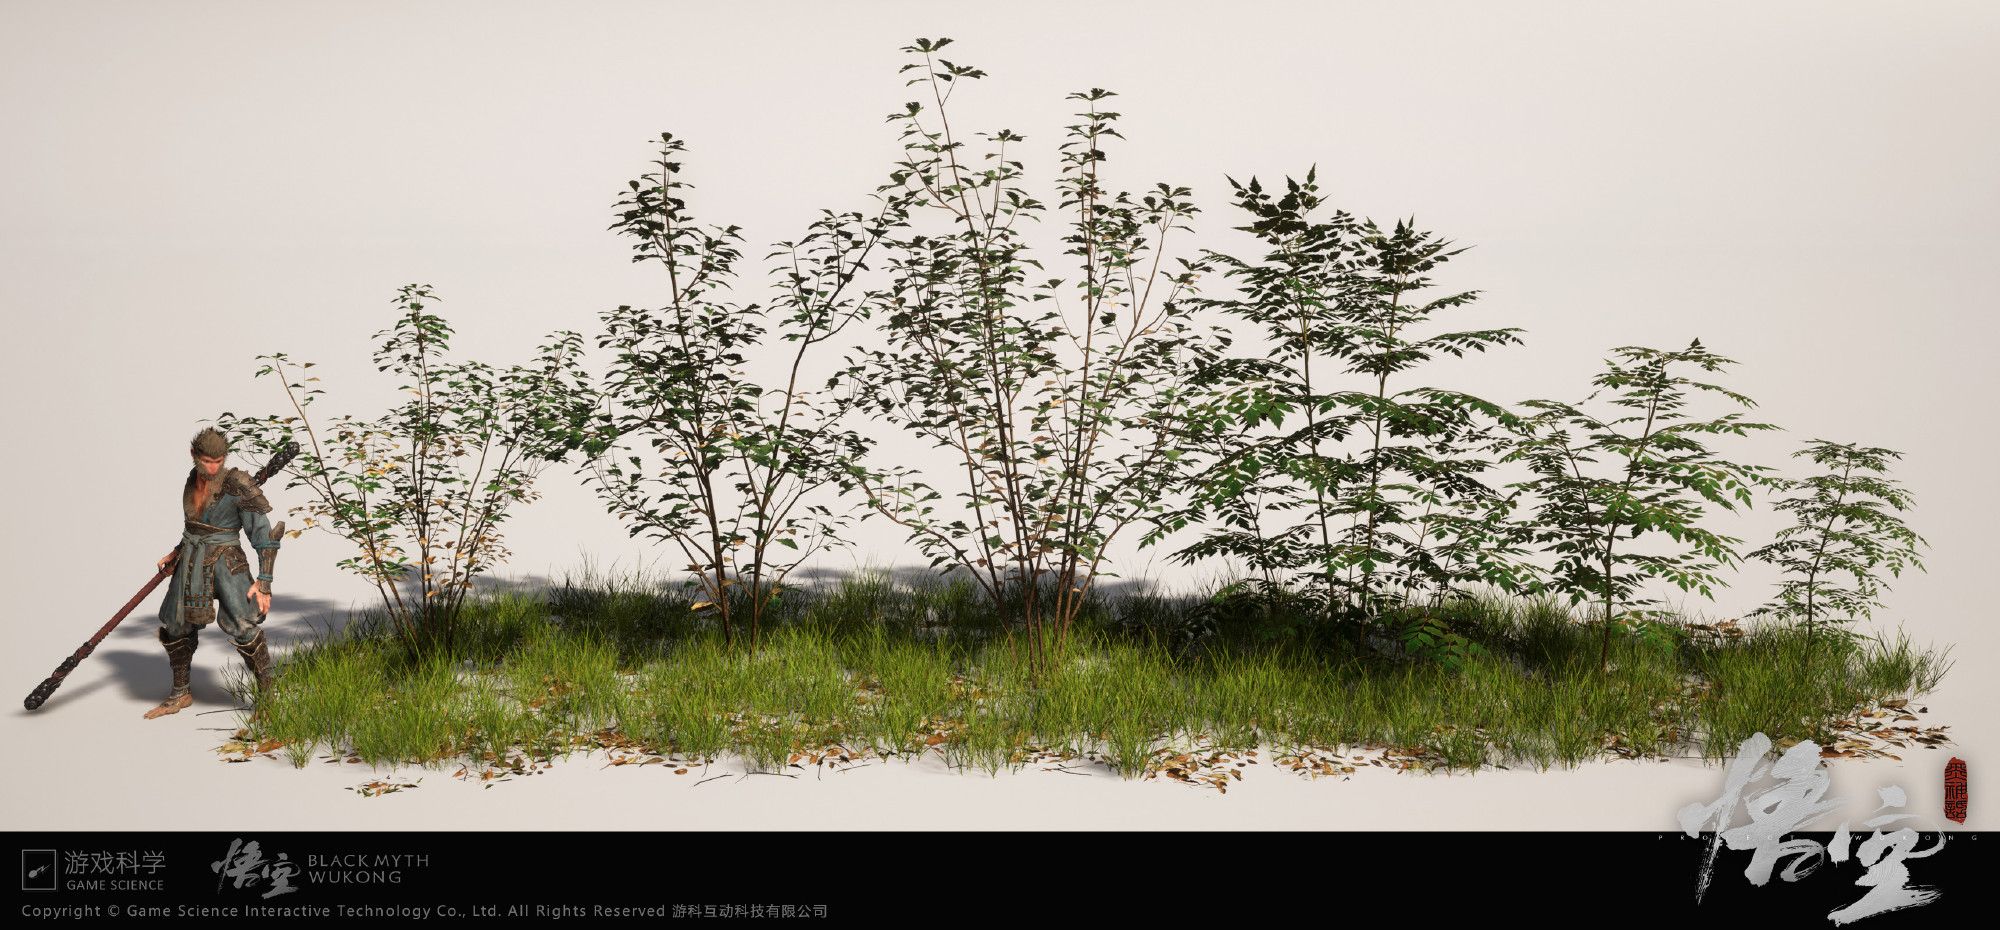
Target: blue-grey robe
(210,571)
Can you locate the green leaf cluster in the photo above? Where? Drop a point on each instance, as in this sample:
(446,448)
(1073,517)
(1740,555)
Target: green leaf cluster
(422,489)
(1847,531)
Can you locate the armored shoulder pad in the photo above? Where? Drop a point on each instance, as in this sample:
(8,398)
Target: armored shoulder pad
(238,484)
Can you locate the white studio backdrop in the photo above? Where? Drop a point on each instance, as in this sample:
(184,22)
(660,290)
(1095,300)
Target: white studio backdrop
(1806,187)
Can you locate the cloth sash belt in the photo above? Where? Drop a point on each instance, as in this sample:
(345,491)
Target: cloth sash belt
(195,574)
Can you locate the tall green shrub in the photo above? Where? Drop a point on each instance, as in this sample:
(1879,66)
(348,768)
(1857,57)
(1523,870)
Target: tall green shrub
(1845,526)
(1336,479)
(1059,401)
(422,489)
(1641,472)
(691,449)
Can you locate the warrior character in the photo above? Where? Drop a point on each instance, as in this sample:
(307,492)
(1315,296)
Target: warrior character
(212,571)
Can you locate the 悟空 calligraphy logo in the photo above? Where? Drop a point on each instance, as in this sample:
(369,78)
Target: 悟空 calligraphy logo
(1797,798)
(245,866)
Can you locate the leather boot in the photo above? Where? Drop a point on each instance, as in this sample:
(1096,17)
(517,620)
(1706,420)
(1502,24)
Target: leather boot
(258,658)
(180,655)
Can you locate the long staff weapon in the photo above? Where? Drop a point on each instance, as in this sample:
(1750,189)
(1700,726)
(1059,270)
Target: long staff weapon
(49,685)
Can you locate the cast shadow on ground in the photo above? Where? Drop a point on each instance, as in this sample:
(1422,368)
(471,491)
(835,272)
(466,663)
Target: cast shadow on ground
(915,575)
(809,579)
(131,658)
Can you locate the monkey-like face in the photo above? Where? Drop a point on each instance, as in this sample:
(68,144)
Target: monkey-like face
(209,466)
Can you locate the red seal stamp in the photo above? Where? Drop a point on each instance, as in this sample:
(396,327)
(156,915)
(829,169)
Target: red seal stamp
(1954,789)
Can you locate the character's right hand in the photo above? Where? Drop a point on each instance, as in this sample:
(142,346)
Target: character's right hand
(162,564)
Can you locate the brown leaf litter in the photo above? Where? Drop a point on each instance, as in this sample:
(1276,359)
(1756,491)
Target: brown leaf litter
(1202,767)
(1871,733)
(376,789)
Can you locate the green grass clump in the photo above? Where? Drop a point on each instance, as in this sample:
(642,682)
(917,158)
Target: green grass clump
(901,670)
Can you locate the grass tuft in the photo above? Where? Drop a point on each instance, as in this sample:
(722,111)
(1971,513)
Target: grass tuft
(900,670)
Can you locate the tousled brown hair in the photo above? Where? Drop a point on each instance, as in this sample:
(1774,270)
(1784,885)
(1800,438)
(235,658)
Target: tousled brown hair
(210,443)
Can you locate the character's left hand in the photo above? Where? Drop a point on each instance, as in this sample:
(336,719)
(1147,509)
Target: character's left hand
(261,596)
